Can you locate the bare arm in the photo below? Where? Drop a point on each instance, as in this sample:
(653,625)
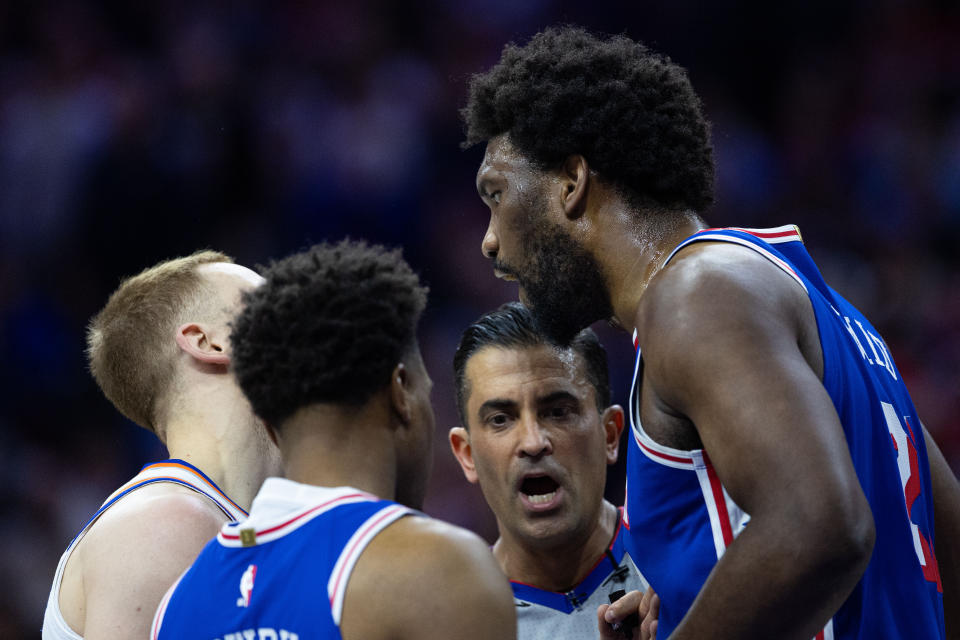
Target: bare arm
(135,552)
(722,349)
(424,579)
(946,519)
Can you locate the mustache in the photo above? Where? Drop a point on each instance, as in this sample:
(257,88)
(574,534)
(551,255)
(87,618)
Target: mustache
(503,267)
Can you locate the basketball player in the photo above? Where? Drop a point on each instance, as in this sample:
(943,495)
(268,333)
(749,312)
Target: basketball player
(780,483)
(160,351)
(326,351)
(538,434)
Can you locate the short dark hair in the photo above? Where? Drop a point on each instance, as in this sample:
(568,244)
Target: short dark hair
(328,326)
(512,326)
(630,111)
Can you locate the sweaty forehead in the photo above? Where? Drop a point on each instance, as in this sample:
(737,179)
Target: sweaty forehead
(510,373)
(501,156)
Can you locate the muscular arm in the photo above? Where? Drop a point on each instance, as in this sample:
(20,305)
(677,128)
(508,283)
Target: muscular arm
(424,579)
(722,347)
(946,519)
(135,552)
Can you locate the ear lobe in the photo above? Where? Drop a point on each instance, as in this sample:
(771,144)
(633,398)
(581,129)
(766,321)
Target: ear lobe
(460,445)
(197,341)
(613,422)
(575,178)
(400,393)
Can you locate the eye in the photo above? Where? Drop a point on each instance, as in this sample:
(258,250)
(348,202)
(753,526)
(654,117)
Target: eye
(495,196)
(559,412)
(498,420)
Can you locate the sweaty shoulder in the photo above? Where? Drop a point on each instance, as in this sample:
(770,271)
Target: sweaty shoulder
(427,579)
(713,298)
(720,282)
(129,558)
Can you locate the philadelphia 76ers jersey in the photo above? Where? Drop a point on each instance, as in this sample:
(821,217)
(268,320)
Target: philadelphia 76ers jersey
(282,573)
(681,519)
(173,471)
(552,615)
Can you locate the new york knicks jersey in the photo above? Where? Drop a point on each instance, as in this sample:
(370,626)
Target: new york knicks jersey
(173,471)
(572,615)
(282,573)
(681,519)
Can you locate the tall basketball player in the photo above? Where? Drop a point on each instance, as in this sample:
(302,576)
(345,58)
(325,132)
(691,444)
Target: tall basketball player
(780,482)
(160,351)
(326,351)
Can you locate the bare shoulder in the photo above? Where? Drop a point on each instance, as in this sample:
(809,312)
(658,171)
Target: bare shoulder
(428,579)
(717,281)
(727,306)
(135,551)
(159,514)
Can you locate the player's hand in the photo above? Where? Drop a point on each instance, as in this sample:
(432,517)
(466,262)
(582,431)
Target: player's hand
(647,607)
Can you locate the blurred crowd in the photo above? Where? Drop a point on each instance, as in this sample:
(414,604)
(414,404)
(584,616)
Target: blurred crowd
(133,132)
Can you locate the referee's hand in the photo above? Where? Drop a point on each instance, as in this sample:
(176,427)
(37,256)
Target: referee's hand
(611,616)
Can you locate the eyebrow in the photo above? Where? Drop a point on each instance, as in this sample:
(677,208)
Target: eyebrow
(557,396)
(496,404)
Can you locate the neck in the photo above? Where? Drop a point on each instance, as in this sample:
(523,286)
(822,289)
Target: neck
(557,567)
(224,441)
(632,253)
(331,445)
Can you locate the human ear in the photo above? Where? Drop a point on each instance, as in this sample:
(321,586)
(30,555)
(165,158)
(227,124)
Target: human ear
(198,341)
(613,420)
(574,179)
(400,398)
(460,445)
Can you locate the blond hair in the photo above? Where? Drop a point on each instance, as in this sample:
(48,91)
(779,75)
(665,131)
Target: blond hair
(131,346)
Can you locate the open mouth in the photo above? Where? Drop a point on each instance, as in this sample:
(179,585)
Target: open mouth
(539,489)
(509,277)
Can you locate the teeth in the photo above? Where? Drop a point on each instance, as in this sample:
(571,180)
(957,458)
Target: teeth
(542,498)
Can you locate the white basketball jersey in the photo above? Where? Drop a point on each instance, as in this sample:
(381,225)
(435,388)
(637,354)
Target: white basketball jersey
(175,471)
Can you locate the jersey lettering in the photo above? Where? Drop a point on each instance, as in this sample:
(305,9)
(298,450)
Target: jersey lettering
(263,633)
(908,466)
(881,355)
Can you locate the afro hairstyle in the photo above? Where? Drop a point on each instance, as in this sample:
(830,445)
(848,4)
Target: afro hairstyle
(629,111)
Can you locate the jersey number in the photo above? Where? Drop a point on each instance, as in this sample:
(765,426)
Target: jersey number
(903,443)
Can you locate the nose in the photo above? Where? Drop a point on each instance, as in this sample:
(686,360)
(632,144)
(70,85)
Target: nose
(491,244)
(534,441)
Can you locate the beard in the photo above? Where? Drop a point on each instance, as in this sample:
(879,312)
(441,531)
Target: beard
(563,283)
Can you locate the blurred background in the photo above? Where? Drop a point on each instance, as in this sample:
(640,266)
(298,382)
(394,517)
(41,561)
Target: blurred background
(134,132)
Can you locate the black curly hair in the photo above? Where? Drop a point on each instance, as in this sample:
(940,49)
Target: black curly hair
(328,326)
(629,111)
(512,326)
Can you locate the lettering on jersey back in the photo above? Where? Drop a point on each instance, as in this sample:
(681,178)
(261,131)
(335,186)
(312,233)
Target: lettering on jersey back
(878,355)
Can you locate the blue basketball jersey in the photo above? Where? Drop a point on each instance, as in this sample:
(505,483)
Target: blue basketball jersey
(281,574)
(681,519)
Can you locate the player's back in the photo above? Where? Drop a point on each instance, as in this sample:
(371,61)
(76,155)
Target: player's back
(692,519)
(283,572)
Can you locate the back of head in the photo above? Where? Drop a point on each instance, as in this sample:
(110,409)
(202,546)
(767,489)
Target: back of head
(327,326)
(131,344)
(512,326)
(630,112)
